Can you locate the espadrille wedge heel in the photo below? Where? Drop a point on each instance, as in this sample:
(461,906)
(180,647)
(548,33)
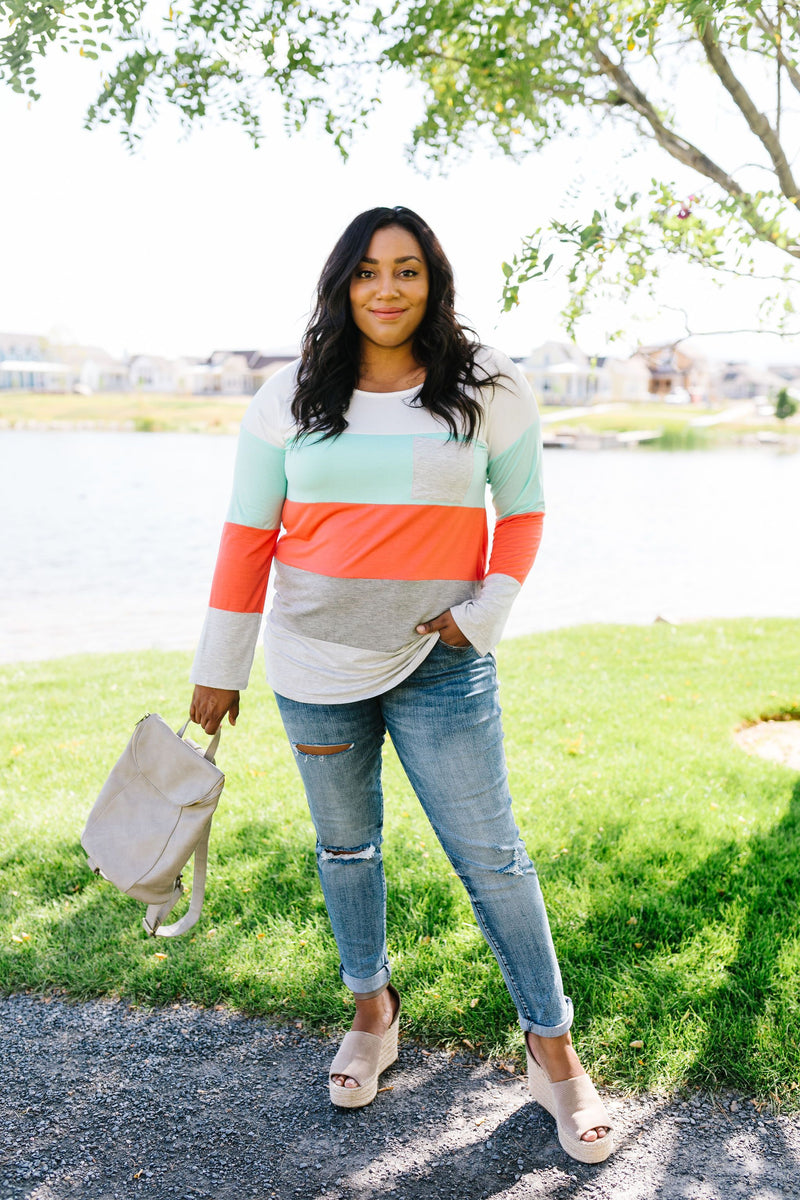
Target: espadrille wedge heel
(363,1057)
(576,1107)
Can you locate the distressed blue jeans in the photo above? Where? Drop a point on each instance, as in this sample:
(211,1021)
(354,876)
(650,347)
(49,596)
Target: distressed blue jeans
(444,721)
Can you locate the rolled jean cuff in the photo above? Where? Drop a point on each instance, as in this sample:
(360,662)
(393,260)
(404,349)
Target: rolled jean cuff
(366,988)
(550,1030)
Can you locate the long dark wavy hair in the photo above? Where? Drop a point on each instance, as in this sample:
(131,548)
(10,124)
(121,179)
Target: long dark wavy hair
(329,364)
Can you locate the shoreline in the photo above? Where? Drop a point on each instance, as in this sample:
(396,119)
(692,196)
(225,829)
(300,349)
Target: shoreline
(617,425)
(130,425)
(553,439)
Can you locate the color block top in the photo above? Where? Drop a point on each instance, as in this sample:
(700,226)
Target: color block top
(371,533)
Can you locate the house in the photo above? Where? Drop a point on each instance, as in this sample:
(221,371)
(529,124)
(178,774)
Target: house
(264,365)
(675,372)
(26,364)
(229,373)
(23,347)
(151,373)
(789,376)
(621,380)
(193,377)
(744,381)
(242,372)
(96,370)
(560,373)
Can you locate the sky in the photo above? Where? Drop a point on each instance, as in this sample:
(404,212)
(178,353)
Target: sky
(197,243)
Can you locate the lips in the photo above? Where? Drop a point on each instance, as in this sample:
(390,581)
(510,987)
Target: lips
(386,314)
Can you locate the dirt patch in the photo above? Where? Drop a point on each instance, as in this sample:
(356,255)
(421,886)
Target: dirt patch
(778,741)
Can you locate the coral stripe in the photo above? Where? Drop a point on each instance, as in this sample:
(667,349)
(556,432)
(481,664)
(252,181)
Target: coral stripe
(516,540)
(384,541)
(240,578)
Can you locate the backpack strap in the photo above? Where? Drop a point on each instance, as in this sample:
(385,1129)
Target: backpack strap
(157,912)
(213,745)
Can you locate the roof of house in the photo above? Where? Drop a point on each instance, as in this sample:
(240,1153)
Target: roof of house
(256,359)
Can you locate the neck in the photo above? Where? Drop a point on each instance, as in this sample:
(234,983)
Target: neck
(388,369)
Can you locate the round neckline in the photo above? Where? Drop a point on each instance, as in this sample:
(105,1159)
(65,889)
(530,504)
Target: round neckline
(397,392)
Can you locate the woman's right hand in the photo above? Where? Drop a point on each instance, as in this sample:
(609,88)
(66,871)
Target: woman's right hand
(209,706)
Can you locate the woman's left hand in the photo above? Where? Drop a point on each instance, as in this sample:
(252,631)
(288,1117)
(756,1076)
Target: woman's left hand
(446,628)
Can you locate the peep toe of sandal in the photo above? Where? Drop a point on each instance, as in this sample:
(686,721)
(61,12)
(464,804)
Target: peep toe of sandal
(576,1107)
(363,1057)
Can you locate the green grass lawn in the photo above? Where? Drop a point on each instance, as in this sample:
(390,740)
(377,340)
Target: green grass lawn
(626,417)
(641,415)
(669,859)
(144,412)
(675,422)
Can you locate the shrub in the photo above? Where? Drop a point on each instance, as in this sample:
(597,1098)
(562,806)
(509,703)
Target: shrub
(785,406)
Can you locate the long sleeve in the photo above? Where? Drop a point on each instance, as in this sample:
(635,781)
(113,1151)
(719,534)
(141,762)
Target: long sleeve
(515,480)
(227,644)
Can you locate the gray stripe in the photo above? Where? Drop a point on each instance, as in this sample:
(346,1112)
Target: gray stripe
(482,620)
(372,614)
(318,672)
(225,652)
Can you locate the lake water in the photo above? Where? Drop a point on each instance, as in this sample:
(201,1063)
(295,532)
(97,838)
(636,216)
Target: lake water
(108,540)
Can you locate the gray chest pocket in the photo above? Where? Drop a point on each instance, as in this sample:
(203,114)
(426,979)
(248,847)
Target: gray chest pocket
(442,470)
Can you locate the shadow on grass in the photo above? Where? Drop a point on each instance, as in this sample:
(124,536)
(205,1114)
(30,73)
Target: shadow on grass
(710,956)
(709,984)
(756,1004)
(263,943)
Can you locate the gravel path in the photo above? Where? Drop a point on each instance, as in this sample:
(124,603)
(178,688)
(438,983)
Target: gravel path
(103,1101)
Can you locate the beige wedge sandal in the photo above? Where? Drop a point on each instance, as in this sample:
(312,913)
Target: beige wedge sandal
(363,1057)
(576,1107)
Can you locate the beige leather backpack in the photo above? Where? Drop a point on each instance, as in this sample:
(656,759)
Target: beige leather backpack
(153,813)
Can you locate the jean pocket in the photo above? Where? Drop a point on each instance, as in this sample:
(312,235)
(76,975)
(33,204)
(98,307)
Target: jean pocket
(457,649)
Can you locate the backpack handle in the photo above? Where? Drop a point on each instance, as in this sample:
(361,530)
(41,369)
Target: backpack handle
(213,745)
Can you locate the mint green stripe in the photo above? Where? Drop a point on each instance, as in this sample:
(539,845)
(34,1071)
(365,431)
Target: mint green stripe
(372,469)
(516,476)
(476,496)
(259,483)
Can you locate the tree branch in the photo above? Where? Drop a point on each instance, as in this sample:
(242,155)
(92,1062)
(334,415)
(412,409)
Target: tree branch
(693,333)
(687,153)
(670,141)
(698,258)
(772,31)
(755,119)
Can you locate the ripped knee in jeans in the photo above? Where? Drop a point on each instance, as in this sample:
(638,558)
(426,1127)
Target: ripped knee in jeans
(321,751)
(359,854)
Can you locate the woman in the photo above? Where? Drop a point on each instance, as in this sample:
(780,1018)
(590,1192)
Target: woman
(372,452)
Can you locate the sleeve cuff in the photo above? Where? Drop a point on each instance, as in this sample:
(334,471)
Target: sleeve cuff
(483,619)
(225,652)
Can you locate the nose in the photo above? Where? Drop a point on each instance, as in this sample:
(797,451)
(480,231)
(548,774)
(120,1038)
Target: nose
(387,284)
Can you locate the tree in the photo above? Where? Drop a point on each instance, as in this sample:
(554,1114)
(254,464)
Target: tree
(785,406)
(514,74)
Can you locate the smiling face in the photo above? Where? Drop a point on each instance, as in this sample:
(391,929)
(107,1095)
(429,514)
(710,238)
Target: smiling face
(389,289)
